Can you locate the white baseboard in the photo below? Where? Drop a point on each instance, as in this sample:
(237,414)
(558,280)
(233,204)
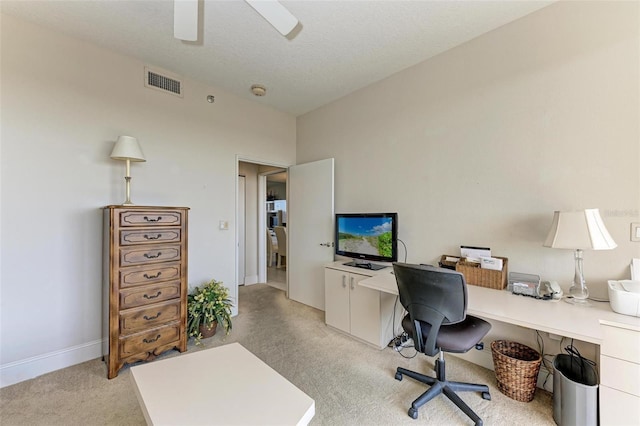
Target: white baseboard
(25,369)
(483,358)
(251,279)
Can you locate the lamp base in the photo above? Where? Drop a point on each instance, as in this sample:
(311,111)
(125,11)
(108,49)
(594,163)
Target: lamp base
(578,302)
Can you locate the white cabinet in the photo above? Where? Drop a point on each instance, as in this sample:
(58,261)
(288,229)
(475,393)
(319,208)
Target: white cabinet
(363,313)
(620,375)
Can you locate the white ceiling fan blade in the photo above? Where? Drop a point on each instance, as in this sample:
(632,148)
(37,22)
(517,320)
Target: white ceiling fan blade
(185,20)
(276,14)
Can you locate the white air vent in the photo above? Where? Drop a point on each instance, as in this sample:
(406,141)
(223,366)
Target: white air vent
(162,80)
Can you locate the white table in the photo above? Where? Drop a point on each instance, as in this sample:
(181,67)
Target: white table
(226,385)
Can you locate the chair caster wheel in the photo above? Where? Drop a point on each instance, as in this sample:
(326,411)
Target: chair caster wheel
(399,377)
(413,413)
(486,395)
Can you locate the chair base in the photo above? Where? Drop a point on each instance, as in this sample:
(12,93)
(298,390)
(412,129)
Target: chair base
(440,385)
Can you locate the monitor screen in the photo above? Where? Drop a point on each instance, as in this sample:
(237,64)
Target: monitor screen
(367,236)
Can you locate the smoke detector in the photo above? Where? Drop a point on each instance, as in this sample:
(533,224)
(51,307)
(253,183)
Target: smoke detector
(258,90)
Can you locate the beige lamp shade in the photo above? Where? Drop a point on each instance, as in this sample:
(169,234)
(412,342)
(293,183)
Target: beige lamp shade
(579,230)
(127,148)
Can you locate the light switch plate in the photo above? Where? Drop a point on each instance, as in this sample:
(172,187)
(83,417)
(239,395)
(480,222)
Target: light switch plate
(635,231)
(224,225)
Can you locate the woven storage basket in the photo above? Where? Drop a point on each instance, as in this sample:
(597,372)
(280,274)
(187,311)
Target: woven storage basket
(475,275)
(516,367)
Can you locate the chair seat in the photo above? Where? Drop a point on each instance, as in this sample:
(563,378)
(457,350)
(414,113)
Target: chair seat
(459,337)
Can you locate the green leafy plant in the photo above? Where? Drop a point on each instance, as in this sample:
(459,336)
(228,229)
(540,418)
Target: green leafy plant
(207,304)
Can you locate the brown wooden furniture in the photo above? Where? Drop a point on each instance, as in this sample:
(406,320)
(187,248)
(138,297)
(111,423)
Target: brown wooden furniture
(145,283)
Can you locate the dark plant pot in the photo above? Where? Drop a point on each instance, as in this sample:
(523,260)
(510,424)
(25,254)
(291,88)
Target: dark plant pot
(208,331)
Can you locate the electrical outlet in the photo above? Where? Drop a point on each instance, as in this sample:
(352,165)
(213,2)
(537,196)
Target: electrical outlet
(635,232)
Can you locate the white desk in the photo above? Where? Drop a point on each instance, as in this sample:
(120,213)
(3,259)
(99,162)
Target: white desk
(226,385)
(555,317)
(617,337)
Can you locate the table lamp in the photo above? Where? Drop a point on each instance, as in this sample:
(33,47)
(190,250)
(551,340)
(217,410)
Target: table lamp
(579,230)
(128,149)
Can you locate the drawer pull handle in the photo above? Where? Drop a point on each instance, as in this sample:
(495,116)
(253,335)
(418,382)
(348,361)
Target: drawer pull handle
(147,237)
(151,256)
(146,296)
(153,317)
(151,340)
(150,277)
(152,219)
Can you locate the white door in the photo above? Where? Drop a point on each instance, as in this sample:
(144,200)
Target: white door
(310,230)
(240,220)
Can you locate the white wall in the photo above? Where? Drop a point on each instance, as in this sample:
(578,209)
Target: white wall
(64,103)
(480,144)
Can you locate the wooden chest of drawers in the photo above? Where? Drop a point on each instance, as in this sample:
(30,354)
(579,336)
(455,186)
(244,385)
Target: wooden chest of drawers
(145,283)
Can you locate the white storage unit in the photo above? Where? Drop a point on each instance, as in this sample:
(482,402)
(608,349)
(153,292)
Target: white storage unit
(619,374)
(361,312)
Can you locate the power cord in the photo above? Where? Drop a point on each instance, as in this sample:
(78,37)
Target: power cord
(584,362)
(401,342)
(545,360)
(405,250)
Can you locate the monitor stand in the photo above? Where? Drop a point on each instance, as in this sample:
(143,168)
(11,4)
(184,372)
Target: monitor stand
(365,265)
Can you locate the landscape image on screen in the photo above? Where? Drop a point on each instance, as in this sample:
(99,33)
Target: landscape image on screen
(365,235)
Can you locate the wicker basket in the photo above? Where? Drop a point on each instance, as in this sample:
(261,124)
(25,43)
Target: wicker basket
(516,367)
(475,275)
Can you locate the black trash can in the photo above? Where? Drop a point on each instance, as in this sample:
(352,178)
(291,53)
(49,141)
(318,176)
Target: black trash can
(575,392)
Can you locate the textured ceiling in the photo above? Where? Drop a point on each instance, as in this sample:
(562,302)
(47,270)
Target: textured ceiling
(339,46)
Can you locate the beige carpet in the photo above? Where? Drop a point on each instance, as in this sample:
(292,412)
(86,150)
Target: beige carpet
(351,383)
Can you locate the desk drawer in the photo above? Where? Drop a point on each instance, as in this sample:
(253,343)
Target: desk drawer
(618,408)
(619,374)
(621,343)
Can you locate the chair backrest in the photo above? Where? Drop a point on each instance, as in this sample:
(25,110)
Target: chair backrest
(271,245)
(281,235)
(432,295)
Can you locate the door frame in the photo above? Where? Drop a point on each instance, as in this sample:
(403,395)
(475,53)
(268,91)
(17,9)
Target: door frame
(241,230)
(262,216)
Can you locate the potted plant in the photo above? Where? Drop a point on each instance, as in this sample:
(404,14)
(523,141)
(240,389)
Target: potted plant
(207,306)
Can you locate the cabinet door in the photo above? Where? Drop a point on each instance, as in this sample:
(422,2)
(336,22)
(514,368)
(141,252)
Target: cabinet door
(336,294)
(365,311)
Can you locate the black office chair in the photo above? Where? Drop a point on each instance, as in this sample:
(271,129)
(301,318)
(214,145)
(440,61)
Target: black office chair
(436,302)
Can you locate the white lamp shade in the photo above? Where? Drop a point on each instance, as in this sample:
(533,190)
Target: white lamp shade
(579,230)
(127,148)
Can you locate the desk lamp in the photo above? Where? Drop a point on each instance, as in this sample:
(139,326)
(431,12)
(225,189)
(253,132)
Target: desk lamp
(128,149)
(579,230)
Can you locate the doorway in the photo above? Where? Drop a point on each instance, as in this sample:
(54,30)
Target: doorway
(263,206)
